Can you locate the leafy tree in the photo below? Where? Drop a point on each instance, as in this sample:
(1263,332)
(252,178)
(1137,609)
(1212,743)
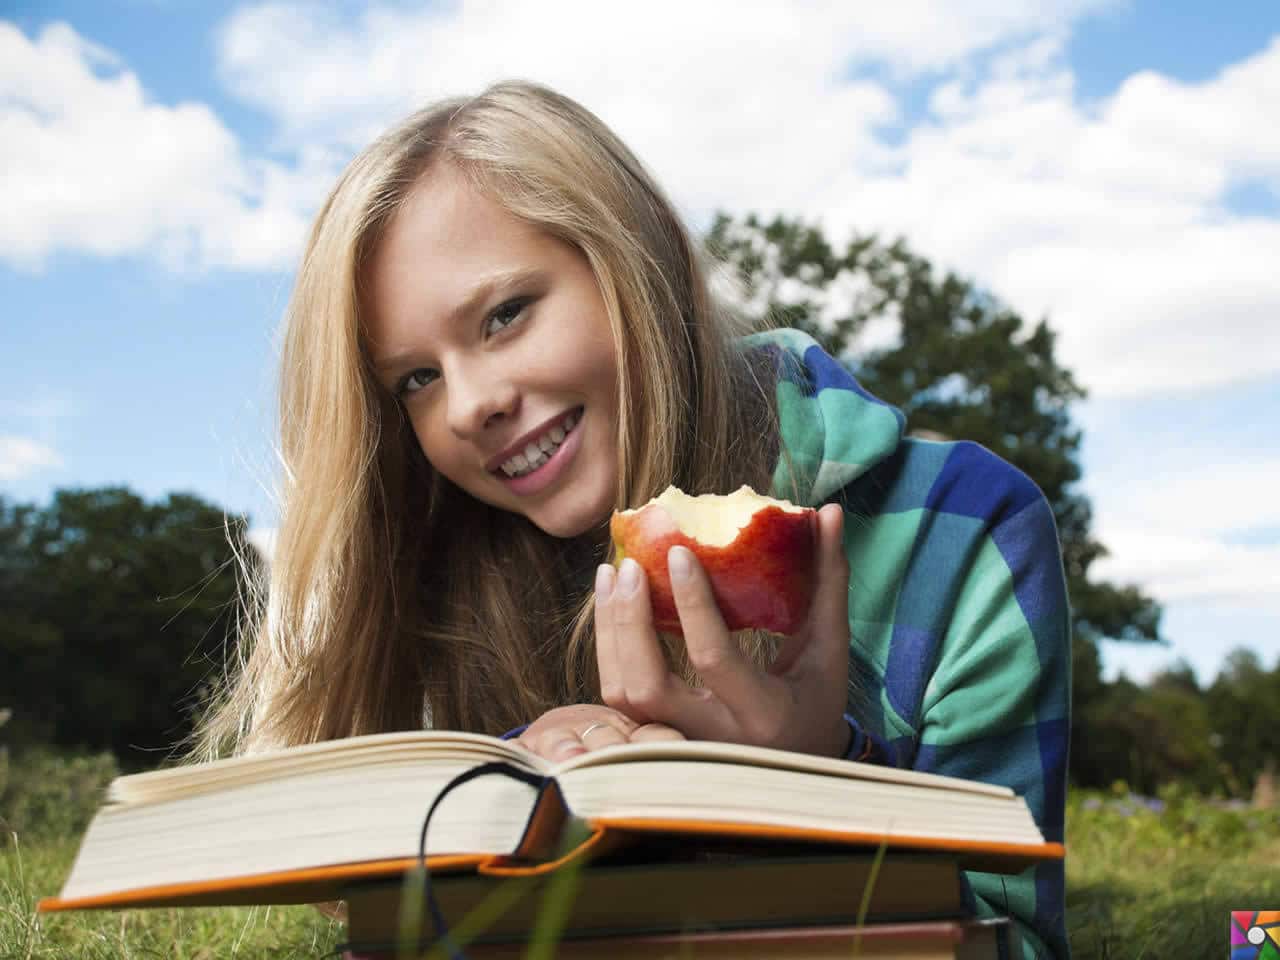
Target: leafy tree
(115,611)
(1148,736)
(1244,711)
(959,364)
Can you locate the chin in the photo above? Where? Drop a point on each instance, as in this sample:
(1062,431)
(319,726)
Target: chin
(570,527)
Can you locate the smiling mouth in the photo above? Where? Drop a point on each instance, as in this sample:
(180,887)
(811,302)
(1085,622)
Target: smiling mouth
(538,452)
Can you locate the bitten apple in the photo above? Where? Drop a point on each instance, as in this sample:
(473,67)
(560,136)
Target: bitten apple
(757,551)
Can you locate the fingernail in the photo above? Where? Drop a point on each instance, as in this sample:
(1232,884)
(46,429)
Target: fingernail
(628,577)
(604,582)
(678,563)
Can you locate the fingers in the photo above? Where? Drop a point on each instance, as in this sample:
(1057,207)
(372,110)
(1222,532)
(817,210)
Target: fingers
(724,669)
(611,691)
(567,731)
(830,614)
(634,678)
(601,735)
(653,732)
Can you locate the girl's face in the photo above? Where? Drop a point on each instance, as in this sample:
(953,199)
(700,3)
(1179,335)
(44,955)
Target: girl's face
(494,337)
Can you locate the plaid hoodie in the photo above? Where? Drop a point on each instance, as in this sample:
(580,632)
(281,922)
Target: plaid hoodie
(957,607)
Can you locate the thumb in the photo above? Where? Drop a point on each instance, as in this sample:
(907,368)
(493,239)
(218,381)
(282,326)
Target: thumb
(829,617)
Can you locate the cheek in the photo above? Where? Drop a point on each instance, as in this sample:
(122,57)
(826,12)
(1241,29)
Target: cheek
(431,443)
(599,365)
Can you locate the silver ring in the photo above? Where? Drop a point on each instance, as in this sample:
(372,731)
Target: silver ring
(583,734)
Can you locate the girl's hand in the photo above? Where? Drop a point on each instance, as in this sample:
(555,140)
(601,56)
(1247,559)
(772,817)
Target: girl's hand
(567,731)
(797,703)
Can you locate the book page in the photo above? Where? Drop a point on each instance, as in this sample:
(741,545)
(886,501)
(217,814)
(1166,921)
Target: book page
(707,751)
(352,753)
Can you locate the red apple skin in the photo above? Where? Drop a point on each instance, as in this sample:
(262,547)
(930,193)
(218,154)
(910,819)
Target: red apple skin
(762,579)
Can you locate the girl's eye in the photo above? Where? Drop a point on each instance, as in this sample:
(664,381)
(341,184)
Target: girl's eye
(501,318)
(415,381)
(505,315)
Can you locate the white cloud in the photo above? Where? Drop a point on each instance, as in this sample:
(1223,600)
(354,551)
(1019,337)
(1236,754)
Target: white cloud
(1174,565)
(1110,218)
(1178,531)
(89,163)
(1218,496)
(314,72)
(20,456)
(745,106)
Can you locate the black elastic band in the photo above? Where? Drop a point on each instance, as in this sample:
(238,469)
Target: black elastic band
(437,918)
(496,766)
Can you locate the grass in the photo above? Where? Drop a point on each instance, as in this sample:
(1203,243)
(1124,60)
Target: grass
(1160,877)
(1143,876)
(28,872)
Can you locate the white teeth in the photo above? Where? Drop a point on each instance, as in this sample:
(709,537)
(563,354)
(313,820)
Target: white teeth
(538,453)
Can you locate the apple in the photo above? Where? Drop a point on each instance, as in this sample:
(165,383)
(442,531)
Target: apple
(757,551)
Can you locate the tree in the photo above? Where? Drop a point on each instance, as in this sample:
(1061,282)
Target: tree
(959,364)
(1244,711)
(116,610)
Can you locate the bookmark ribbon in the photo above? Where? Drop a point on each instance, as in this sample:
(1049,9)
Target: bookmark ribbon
(442,935)
(485,769)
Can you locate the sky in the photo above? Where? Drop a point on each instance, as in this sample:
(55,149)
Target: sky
(1111,166)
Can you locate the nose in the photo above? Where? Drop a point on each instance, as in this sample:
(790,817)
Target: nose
(478,397)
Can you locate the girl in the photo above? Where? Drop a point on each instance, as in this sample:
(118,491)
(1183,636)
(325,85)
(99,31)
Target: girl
(500,333)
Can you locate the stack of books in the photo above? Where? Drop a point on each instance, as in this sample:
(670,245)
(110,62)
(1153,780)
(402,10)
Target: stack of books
(645,850)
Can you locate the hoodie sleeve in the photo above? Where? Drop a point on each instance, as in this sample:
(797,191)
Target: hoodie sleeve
(996,706)
(957,606)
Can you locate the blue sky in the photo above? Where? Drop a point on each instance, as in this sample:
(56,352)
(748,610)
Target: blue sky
(1113,166)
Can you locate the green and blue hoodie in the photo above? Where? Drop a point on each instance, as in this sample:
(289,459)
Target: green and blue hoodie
(958,611)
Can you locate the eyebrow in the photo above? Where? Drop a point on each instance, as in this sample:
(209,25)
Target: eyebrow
(481,292)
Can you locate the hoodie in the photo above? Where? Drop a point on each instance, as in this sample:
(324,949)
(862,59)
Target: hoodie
(958,614)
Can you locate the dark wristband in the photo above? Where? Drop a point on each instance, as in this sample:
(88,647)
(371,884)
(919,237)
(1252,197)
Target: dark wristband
(861,747)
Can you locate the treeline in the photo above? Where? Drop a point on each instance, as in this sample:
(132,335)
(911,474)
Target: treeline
(117,616)
(1216,739)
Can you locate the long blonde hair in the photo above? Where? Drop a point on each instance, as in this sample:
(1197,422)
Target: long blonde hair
(394,598)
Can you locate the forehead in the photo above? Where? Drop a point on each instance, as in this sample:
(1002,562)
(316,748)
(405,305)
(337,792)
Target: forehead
(446,238)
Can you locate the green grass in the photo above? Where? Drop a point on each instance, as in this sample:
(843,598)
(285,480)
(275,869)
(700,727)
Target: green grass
(1140,882)
(29,872)
(1145,882)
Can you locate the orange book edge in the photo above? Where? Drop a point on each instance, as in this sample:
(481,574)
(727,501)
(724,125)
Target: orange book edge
(316,884)
(205,892)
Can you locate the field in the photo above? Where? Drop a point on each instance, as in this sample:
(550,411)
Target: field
(1145,877)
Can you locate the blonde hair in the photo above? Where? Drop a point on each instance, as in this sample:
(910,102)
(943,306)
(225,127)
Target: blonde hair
(394,597)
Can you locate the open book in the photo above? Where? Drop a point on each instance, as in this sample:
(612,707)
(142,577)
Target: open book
(299,825)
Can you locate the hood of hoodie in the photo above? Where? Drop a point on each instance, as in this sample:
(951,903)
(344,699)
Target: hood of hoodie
(833,431)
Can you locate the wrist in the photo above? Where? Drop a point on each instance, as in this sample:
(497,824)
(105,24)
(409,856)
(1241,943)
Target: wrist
(841,738)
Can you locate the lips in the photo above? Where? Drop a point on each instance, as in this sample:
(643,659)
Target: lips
(494,464)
